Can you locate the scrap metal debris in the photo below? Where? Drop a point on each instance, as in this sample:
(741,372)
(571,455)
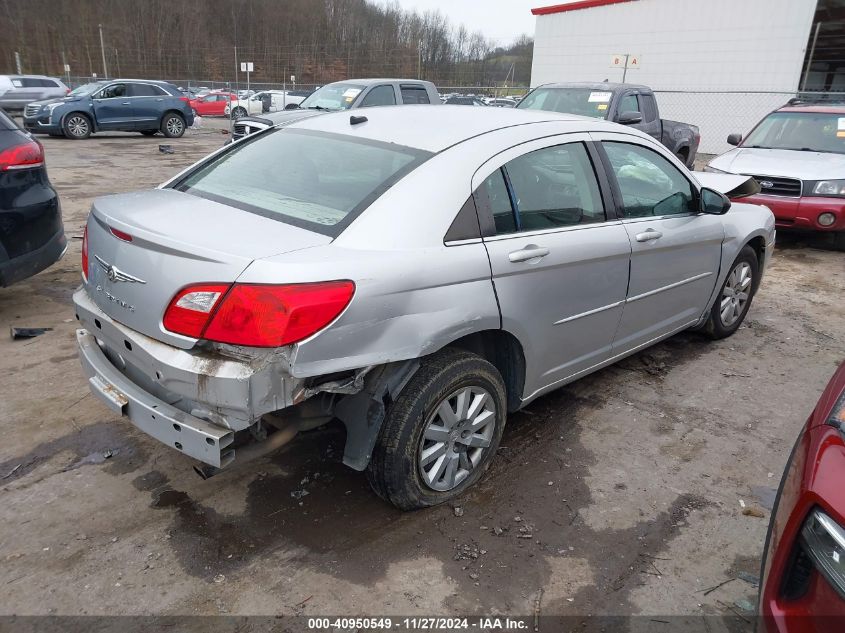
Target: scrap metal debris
(166,149)
(28,332)
(12,472)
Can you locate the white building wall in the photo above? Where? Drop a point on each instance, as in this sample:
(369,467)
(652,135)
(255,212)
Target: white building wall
(715,46)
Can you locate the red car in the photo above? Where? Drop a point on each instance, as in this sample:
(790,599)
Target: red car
(797,156)
(803,574)
(213,104)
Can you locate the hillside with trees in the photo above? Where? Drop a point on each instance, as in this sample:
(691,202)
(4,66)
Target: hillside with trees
(316,40)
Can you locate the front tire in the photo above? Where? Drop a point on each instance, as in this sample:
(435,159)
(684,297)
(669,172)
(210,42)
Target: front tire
(77,126)
(173,125)
(238,113)
(733,302)
(440,435)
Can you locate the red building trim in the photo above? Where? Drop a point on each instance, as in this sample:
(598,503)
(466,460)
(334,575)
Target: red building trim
(575,6)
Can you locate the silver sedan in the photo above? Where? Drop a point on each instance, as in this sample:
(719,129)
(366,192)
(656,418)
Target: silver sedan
(416,273)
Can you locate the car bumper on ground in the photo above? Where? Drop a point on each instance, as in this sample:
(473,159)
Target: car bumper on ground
(191,400)
(33,262)
(803,213)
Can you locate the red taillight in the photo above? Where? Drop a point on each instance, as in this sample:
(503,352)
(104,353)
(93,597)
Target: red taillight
(25,156)
(185,99)
(257,315)
(120,235)
(190,309)
(85,253)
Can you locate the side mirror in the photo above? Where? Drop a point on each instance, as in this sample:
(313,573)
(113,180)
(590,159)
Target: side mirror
(629,118)
(734,139)
(713,202)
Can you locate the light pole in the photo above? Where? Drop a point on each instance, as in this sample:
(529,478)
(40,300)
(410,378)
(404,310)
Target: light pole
(103,51)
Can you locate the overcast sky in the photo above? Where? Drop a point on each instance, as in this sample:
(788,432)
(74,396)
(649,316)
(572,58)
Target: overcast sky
(502,20)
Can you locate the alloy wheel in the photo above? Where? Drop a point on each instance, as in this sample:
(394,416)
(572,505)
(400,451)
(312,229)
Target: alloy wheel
(456,437)
(735,294)
(78,126)
(175,125)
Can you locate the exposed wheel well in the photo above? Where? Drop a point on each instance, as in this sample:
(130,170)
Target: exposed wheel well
(504,351)
(683,152)
(759,246)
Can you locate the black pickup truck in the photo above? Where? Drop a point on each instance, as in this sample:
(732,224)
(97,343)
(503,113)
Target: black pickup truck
(628,104)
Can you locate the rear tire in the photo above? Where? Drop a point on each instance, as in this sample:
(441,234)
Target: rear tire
(77,126)
(440,435)
(734,300)
(173,125)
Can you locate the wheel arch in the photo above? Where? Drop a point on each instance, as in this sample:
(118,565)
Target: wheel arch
(88,115)
(171,111)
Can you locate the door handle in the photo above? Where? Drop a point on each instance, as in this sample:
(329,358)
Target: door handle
(159,99)
(649,235)
(125,103)
(532,251)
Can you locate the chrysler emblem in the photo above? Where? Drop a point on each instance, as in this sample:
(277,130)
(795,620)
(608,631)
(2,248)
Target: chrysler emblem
(115,274)
(767,184)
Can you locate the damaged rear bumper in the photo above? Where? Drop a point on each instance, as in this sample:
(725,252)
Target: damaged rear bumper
(192,400)
(197,438)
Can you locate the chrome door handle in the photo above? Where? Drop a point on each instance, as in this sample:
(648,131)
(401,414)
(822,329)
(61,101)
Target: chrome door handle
(649,235)
(125,103)
(159,99)
(532,251)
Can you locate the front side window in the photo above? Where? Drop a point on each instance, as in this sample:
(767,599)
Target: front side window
(650,185)
(333,178)
(86,89)
(545,189)
(114,91)
(379,96)
(628,103)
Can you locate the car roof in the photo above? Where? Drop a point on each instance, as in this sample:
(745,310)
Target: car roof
(818,109)
(435,128)
(597,85)
(371,81)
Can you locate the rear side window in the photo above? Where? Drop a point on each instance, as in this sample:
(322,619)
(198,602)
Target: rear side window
(549,188)
(412,94)
(649,106)
(333,178)
(144,90)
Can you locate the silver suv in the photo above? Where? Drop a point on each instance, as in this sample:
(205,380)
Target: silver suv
(16,91)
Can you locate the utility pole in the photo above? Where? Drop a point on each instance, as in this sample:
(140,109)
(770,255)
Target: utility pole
(66,67)
(117,61)
(103,51)
(419,59)
(18,62)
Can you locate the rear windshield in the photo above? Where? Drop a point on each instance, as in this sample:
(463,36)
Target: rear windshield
(581,101)
(315,180)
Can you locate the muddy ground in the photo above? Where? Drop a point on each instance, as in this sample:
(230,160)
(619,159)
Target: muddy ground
(629,482)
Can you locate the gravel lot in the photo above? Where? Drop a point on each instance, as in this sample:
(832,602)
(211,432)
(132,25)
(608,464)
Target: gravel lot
(620,494)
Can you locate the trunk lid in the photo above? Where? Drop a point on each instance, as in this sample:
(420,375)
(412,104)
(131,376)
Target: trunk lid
(177,240)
